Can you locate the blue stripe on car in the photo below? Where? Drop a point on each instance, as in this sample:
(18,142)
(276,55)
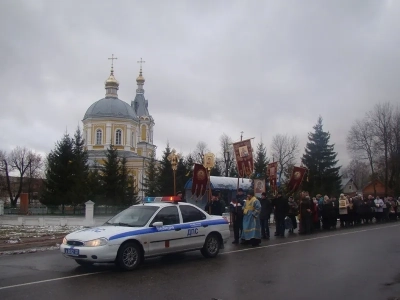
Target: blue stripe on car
(168,228)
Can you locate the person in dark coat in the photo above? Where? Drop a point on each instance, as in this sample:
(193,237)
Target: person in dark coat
(265,214)
(281,208)
(305,215)
(180,195)
(327,211)
(357,209)
(215,207)
(370,209)
(293,212)
(365,211)
(335,213)
(236,210)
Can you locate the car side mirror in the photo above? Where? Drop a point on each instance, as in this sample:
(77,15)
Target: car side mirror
(157,224)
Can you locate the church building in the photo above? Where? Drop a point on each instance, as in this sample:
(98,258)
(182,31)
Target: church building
(129,128)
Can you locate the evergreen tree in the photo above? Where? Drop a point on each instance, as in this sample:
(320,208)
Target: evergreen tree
(189,163)
(110,173)
(260,165)
(124,183)
(165,179)
(233,172)
(132,197)
(80,187)
(216,171)
(320,159)
(95,186)
(59,175)
(181,176)
(260,161)
(150,183)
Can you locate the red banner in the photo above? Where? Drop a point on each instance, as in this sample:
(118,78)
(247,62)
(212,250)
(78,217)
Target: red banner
(244,158)
(272,173)
(200,180)
(296,179)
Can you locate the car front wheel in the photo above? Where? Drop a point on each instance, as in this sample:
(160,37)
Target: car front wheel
(211,246)
(129,256)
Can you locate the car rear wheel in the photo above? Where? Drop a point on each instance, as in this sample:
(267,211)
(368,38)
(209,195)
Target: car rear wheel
(129,256)
(211,246)
(84,263)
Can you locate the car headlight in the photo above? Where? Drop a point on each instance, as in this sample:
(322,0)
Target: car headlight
(96,242)
(64,241)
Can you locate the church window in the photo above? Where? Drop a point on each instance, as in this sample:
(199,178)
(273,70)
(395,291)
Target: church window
(144,133)
(118,137)
(99,137)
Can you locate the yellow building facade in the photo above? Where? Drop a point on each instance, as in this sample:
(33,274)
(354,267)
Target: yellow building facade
(129,127)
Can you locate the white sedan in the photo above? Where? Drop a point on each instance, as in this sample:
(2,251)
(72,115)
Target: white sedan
(149,229)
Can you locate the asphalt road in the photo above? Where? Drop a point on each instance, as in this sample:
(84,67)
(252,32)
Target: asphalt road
(360,263)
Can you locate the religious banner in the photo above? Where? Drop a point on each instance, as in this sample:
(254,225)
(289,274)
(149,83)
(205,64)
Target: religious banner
(259,187)
(209,160)
(297,178)
(199,181)
(244,158)
(272,173)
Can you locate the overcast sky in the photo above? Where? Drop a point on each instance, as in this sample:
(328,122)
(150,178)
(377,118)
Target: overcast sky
(212,67)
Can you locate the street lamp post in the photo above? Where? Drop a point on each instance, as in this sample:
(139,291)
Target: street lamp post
(174,158)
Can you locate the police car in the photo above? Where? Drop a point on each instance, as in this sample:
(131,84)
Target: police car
(158,226)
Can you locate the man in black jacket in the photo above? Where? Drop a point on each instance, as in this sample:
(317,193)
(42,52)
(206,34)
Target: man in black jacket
(281,207)
(236,209)
(265,214)
(216,207)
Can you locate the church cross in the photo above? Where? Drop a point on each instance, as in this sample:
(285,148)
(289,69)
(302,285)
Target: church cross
(141,61)
(112,61)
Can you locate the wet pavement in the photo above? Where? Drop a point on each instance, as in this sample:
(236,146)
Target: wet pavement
(359,263)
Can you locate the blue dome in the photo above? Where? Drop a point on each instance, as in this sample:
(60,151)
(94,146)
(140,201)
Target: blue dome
(110,108)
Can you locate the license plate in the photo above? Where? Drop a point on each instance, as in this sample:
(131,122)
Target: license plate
(72,252)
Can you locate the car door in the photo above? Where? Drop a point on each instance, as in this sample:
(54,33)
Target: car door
(194,230)
(165,239)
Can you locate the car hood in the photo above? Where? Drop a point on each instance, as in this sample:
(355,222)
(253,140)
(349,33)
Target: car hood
(88,234)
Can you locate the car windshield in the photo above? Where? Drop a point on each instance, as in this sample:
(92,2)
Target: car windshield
(135,216)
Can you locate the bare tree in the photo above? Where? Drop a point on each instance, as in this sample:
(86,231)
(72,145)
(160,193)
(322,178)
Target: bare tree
(198,153)
(18,161)
(359,171)
(228,157)
(3,184)
(381,124)
(361,143)
(394,151)
(284,151)
(34,171)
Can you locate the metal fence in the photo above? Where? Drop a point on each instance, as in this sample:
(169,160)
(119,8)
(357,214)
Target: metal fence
(78,210)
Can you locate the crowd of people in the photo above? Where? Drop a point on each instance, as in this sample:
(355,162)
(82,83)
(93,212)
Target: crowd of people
(251,216)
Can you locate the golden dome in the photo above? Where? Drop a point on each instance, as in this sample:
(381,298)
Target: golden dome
(140,78)
(111,81)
